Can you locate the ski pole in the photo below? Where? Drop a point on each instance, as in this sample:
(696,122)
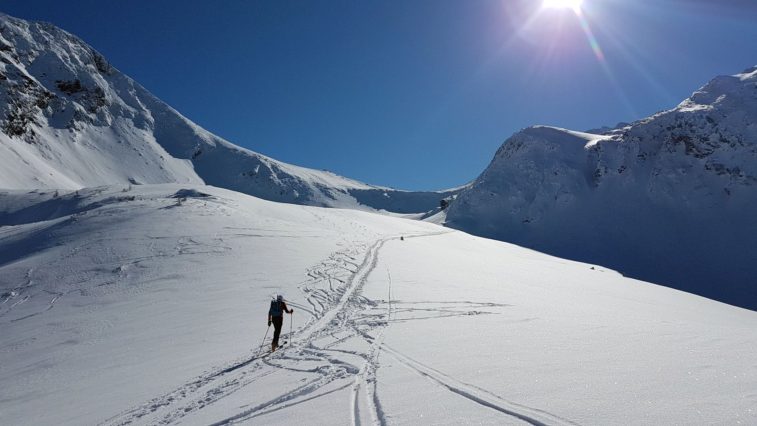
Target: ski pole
(260,348)
(291,320)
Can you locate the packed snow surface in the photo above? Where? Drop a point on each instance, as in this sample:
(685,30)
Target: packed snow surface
(148,304)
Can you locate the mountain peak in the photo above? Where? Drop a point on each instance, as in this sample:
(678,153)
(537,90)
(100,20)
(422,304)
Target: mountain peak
(748,74)
(69,119)
(680,186)
(733,91)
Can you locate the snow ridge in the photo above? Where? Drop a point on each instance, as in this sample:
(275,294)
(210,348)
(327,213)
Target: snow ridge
(69,119)
(670,199)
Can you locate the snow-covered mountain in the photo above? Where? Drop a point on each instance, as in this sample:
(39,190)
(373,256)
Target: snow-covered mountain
(144,300)
(147,305)
(670,199)
(68,119)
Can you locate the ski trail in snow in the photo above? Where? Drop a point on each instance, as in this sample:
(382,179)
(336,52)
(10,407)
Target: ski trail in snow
(340,315)
(334,319)
(328,309)
(291,404)
(365,380)
(345,306)
(285,399)
(478,395)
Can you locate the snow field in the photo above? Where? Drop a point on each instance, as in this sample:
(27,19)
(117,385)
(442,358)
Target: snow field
(555,340)
(146,305)
(123,300)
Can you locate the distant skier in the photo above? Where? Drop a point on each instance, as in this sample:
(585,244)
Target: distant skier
(276,316)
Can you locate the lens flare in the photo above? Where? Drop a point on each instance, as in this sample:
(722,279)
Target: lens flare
(563,4)
(590,37)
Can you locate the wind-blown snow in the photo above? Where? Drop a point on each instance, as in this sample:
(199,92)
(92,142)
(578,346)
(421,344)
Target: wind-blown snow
(671,199)
(148,304)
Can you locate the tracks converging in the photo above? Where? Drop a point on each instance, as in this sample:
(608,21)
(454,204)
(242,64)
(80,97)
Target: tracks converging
(338,349)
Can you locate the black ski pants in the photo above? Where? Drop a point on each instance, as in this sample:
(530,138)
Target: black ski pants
(277,322)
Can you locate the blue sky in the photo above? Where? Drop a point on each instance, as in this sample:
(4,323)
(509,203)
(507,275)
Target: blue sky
(414,94)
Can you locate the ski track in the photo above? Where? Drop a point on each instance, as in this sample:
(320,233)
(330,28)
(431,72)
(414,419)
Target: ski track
(339,313)
(190,395)
(478,395)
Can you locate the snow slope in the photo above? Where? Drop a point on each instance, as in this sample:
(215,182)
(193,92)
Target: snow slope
(68,119)
(678,189)
(671,199)
(146,305)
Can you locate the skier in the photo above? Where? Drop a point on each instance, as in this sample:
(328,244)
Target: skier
(276,316)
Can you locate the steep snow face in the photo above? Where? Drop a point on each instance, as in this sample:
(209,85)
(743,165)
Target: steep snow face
(71,120)
(670,199)
(148,305)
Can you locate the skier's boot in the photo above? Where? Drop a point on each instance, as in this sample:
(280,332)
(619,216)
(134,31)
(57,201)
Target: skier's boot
(273,347)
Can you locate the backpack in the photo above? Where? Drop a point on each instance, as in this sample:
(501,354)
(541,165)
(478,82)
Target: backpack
(277,308)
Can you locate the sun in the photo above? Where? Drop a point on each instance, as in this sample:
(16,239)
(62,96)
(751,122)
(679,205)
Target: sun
(563,4)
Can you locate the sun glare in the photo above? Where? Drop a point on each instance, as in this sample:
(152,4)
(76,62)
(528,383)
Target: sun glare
(563,4)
